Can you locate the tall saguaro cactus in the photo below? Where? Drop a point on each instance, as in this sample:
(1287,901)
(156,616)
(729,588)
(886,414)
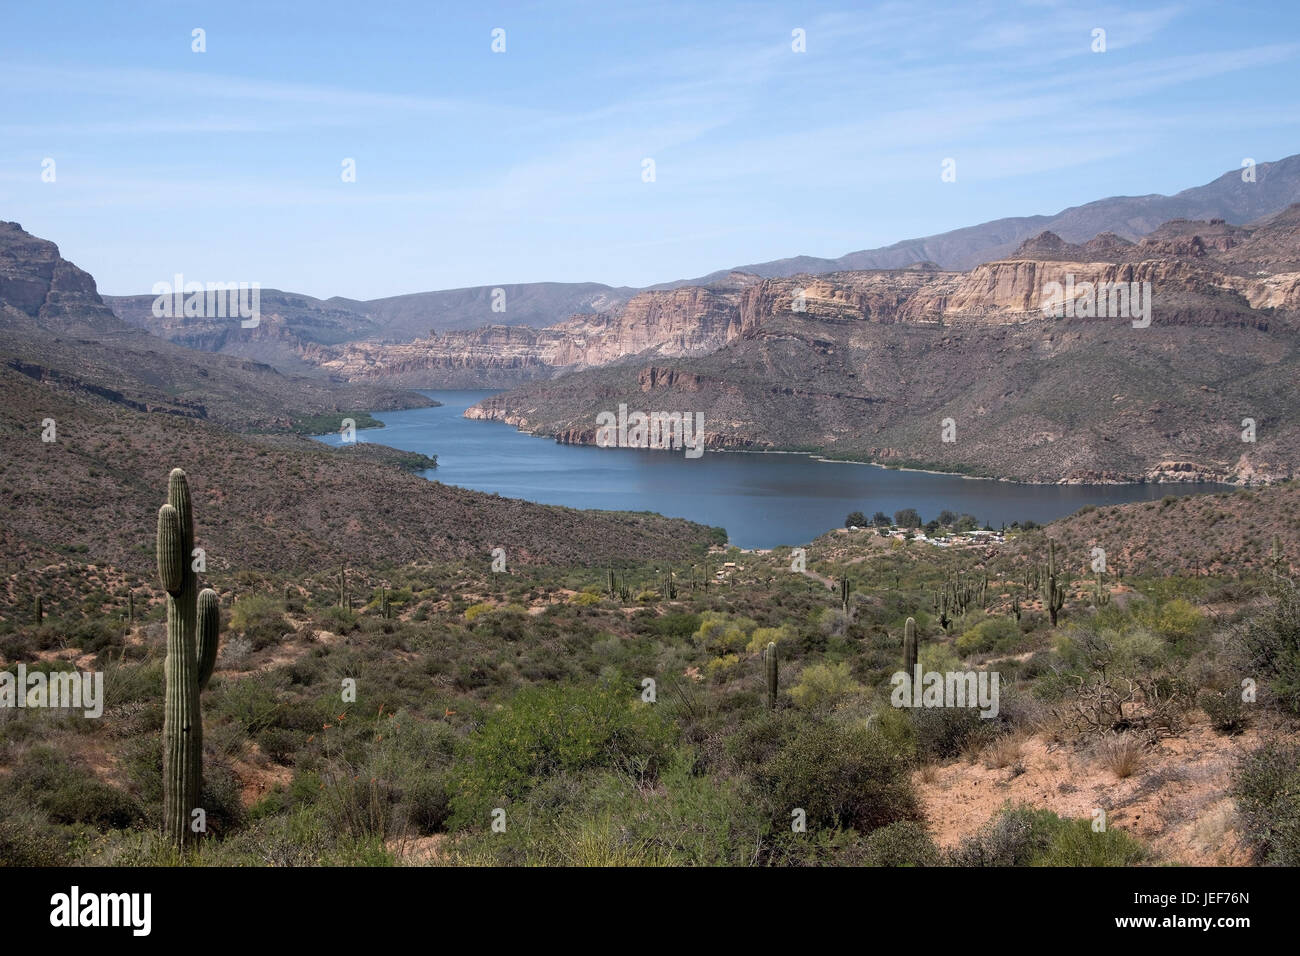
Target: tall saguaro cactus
(909,647)
(770,670)
(193,623)
(1053,592)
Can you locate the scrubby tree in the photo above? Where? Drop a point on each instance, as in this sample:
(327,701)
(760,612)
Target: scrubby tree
(907,518)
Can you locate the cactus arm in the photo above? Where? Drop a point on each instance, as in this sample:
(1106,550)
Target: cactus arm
(209,630)
(170,565)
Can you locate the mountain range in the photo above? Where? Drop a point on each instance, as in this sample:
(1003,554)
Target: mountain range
(95,412)
(977,372)
(295,321)
(857,363)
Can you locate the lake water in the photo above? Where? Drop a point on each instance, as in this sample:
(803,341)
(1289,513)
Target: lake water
(763,500)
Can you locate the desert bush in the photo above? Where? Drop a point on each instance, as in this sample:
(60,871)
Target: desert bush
(841,776)
(251,703)
(904,843)
(27,837)
(1121,754)
(946,732)
(544,730)
(234,652)
(762,636)
(1023,836)
(1177,620)
(1266,788)
(1225,710)
(823,685)
(70,794)
(991,634)
(677,625)
(723,634)
(1268,645)
(260,619)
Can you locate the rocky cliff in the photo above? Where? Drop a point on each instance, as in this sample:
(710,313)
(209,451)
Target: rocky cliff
(869,365)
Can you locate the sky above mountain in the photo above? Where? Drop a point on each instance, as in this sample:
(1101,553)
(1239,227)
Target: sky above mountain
(475,167)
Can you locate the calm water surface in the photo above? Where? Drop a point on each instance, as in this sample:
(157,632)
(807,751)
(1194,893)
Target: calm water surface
(763,500)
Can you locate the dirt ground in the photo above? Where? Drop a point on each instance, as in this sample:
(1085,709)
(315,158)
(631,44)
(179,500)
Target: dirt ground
(1176,800)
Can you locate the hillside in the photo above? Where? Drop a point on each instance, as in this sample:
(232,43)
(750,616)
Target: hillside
(126,408)
(56,328)
(1233,532)
(878,360)
(641,723)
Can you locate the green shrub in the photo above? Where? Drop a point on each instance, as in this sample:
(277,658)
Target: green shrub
(260,619)
(990,634)
(1226,713)
(677,625)
(1268,644)
(70,794)
(905,843)
(27,838)
(823,684)
(546,730)
(946,732)
(1023,836)
(722,634)
(1267,791)
(840,776)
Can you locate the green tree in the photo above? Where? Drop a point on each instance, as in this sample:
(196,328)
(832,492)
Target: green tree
(907,518)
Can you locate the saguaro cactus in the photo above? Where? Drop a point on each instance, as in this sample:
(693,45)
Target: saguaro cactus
(1101,593)
(193,623)
(941,600)
(846,591)
(38,609)
(1053,593)
(910,649)
(770,669)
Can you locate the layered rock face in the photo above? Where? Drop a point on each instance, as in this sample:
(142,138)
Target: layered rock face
(676,323)
(1198,274)
(40,284)
(867,365)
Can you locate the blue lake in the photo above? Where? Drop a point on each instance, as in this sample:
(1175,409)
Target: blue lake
(763,500)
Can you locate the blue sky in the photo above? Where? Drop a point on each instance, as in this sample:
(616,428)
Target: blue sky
(478,168)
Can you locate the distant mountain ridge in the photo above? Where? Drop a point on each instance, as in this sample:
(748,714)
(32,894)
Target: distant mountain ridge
(298,321)
(1276,186)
